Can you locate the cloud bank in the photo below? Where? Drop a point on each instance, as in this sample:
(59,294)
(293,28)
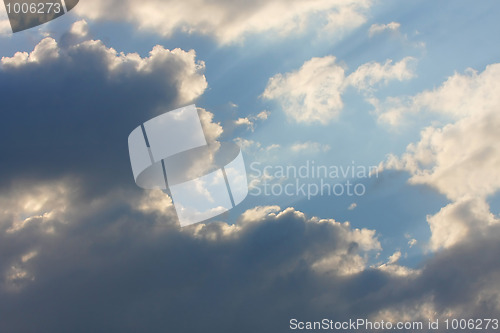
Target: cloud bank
(228,21)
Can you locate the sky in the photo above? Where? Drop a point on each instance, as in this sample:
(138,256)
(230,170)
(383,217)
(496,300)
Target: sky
(369,134)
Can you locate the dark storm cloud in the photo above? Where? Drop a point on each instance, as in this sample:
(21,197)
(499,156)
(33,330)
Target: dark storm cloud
(115,265)
(115,269)
(69,110)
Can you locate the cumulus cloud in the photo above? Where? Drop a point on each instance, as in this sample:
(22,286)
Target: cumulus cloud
(122,254)
(254,147)
(411,241)
(310,94)
(461,95)
(77,234)
(227,21)
(346,17)
(250,120)
(393,268)
(379,28)
(368,75)
(79,28)
(190,81)
(458,159)
(313,93)
(126,244)
(71,107)
(466,218)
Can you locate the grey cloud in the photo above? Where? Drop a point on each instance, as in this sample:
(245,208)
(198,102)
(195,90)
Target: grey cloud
(69,110)
(112,264)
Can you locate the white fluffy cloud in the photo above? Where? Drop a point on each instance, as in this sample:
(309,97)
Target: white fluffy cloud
(460,159)
(79,28)
(123,251)
(345,17)
(461,95)
(250,120)
(379,28)
(368,75)
(313,93)
(228,21)
(466,218)
(44,51)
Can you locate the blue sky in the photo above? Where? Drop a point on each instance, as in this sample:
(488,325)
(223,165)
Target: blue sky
(410,88)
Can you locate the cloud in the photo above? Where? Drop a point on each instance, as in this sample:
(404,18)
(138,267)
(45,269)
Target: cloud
(460,158)
(79,28)
(123,245)
(244,121)
(122,254)
(346,17)
(313,93)
(76,233)
(227,21)
(116,66)
(368,75)
(461,95)
(84,100)
(211,129)
(310,147)
(466,218)
(379,28)
(250,120)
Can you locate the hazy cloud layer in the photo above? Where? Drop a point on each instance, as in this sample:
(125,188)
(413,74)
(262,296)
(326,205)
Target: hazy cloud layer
(228,21)
(460,158)
(379,28)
